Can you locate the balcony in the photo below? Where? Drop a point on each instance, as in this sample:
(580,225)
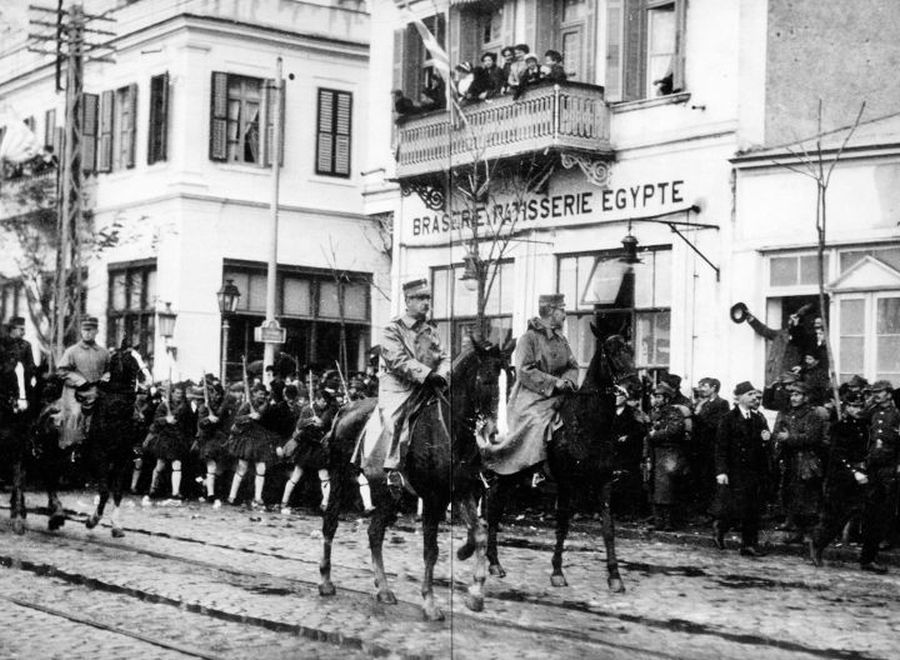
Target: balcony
(24,190)
(564,117)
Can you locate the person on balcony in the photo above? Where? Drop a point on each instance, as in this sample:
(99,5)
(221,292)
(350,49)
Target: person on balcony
(434,96)
(532,74)
(465,78)
(517,69)
(553,69)
(493,76)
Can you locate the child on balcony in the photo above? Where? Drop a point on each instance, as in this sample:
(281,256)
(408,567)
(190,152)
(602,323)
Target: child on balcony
(553,69)
(532,75)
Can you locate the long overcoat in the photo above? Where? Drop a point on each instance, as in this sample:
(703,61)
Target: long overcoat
(543,357)
(81,363)
(804,453)
(740,454)
(668,448)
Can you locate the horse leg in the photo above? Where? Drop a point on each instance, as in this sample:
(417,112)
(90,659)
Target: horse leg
(325,486)
(432,513)
(101,469)
(329,528)
(17,508)
(384,516)
(609,539)
(495,498)
(136,473)
(117,485)
(53,459)
(478,538)
(563,513)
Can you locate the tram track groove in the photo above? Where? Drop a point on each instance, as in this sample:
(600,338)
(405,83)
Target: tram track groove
(461,587)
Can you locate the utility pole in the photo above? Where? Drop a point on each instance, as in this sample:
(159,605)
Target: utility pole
(69,30)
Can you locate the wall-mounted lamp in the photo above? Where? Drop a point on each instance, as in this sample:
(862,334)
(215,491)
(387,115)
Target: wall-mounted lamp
(165,320)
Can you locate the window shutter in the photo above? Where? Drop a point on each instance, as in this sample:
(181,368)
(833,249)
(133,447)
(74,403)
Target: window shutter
(269,129)
(399,61)
(157,142)
(412,75)
(613,81)
(105,142)
(633,59)
(469,39)
(130,120)
(50,129)
(342,129)
(218,117)
(588,59)
(531,11)
(678,65)
(324,135)
(88,133)
(546,29)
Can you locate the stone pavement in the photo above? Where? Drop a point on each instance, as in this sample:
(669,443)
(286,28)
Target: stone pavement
(683,600)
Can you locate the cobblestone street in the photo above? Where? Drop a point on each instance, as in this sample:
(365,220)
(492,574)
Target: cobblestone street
(191,581)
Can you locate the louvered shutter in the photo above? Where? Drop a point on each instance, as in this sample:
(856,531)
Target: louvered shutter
(678,83)
(325,136)
(342,130)
(613,82)
(269,128)
(129,120)
(88,133)
(50,129)
(398,81)
(633,60)
(157,141)
(105,141)
(218,117)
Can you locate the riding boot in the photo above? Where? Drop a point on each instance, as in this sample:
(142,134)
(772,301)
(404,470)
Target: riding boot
(365,493)
(325,486)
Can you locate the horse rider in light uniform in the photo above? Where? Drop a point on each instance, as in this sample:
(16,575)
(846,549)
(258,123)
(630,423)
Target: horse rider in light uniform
(81,368)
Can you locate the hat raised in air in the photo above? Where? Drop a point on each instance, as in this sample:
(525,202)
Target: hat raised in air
(743,388)
(551,299)
(417,288)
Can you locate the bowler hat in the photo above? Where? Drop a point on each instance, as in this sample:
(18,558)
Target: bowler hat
(739,312)
(857,381)
(743,388)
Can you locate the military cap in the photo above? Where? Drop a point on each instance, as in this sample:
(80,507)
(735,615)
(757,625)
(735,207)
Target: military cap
(664,388)
(854,399)
(799,386)
(788,377)
(857,381)
(417,288)
(89,322)
(259,387)
(551,299)
(236,387)
(743,388)
(16,322)
(882,386)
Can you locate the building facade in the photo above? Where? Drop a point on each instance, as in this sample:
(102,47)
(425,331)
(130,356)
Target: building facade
(651,138)
(177,157)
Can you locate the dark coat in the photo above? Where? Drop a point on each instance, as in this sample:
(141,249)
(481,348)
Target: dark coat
(628,433)
(804,455)
(741,455)
(668,446)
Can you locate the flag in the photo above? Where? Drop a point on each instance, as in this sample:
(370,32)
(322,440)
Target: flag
(439,56)
(19,143)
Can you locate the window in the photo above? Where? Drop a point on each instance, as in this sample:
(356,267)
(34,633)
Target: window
(796,270)
(115,143)
(157,139)
(631,300)
(645,48)
(869,336)
(12,299)
(334,122)
(131,308)
(241,119)
(413,67)
(455,305)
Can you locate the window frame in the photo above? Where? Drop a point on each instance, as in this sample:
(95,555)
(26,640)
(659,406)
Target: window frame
(158,121)
(141,322)
(333,133)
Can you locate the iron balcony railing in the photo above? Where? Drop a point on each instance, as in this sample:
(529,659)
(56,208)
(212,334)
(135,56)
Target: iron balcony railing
(28,190)
(561,116)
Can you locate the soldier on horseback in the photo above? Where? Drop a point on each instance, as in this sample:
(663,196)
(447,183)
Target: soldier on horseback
(412,356)
(81,368)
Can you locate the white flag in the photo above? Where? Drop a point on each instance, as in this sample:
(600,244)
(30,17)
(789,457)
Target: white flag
(439,56)
(19,143)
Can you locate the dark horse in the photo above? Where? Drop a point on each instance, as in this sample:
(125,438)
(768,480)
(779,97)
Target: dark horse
(442,465)
(581,452)
(112,432)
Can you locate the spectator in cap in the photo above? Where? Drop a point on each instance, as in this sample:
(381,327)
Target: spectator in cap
(740,469)
(883,468)
(412,358)
(81,368)
(546,370)
(628,430)
(846,480)
(517,69)
(666,451)
(800,434)
(708,412)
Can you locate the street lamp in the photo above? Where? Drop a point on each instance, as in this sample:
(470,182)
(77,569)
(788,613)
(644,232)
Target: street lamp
(166,324)
(228,297)
(472,271)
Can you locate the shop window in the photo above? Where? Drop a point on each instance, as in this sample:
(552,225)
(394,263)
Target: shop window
(645,48)
(455,305)
(334,122)
(131,308)
(632,300)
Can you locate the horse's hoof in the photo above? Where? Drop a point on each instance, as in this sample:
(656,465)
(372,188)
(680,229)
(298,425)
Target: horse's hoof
(327,589)
(386,596)
(92,521)
(433,613)
(616,586)
(18,526)
(497,570)
(465,551)
(118,533)
(558,580)
(475,603)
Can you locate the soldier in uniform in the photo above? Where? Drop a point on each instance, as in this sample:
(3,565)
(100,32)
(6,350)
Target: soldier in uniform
(800,432)
(412,357)
(740,466)
(882,466)
(21,348)
(665,449)
(81,368)
(13,405)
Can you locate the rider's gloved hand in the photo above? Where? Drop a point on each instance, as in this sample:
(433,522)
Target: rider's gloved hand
(436,380)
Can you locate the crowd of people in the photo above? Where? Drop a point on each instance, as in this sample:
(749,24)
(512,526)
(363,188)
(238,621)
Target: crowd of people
(518,70)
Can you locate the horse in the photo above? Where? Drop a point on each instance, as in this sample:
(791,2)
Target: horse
(581,452)
(112,432)
(442,466)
